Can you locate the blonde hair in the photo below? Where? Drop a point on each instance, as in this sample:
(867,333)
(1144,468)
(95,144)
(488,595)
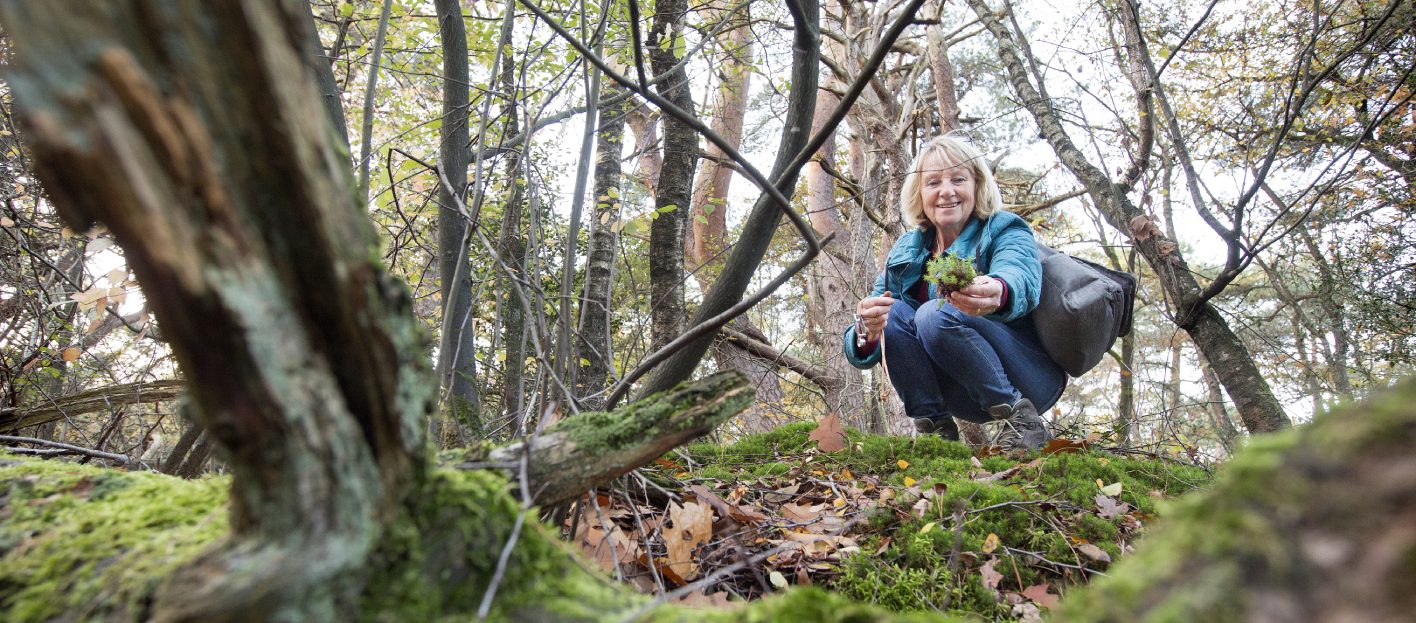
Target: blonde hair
(950,151)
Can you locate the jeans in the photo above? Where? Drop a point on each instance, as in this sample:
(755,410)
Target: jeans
(944,362)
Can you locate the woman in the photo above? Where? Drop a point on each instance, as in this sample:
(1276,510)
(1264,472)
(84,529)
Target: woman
(973,355)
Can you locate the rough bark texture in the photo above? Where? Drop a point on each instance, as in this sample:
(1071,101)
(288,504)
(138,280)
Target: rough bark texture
(222,178)
(832,302)
(1257,406)
(593,344)
(674,188)
(512,249)
(457,365)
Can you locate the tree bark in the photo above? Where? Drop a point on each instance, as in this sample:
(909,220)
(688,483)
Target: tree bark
(762,222)
(831,300)
(1259,409)
(708,224)
(593,344)
(218,175)
(673,191)
(457,364)
(235,207)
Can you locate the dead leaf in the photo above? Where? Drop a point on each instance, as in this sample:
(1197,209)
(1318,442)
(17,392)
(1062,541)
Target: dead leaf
(778,580)
(802,513)
(991,578)
(781,495)
(1060,445)
(1109,508)
(692,526)
(1140,227)
(1093,552)
(71,354)
(1038,593)
(828,434)
(1113,489)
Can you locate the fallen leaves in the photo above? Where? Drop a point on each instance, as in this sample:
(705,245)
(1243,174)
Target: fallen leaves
(1038,593)
(829,436)
(690,526)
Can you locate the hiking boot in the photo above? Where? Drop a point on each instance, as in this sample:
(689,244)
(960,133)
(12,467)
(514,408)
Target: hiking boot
(1022,429)
(942,426)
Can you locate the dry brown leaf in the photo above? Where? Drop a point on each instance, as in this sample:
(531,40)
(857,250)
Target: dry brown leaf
(1109,508)
(1061,445)
(1038,593)
(802,513)
(71,354)
(1093,552)
(828,434)
(692,526)
(991,578)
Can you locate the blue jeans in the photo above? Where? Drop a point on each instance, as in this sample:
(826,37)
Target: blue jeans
(945,362)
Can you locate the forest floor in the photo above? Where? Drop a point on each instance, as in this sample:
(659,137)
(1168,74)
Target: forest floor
(908,524)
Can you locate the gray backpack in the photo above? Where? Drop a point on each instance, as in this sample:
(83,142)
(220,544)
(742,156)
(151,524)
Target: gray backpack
(1084,307)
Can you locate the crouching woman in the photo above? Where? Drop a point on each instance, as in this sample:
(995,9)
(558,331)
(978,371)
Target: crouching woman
(972,354)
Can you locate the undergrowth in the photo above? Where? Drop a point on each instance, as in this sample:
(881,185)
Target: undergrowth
(938,529)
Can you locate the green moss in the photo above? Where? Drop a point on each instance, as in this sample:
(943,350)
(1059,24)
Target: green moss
(797,604)
(86,542)
(438,560)
(1048,508)
(649,417)
(1214,548)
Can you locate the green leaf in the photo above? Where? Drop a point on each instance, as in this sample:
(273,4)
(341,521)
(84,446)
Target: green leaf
(667,209)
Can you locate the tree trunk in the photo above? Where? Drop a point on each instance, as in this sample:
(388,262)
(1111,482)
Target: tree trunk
(708,225)
(1255,401)
(512,249)
(460,405)
(217,174)
(674,188)
(831,300)
(593,344)
(761,223)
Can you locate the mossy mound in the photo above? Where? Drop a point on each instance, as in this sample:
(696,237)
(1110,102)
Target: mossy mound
(80,542)
(1309,524)
(924,534)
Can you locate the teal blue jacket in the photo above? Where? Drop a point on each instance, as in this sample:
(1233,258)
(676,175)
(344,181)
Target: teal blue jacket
(1002,247)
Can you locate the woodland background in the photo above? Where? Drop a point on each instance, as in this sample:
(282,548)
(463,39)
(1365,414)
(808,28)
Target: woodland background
(575,196)
(1271,144)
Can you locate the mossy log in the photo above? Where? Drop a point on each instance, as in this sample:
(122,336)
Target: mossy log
(1313,524)
(591,449)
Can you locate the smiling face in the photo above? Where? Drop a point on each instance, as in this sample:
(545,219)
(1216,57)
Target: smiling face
(947,194)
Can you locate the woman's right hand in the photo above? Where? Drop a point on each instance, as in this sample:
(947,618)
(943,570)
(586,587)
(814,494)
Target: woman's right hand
(873,312)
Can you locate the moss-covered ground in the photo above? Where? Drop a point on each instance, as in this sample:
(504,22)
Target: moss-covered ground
(928,517)
(87,543)
(890,528)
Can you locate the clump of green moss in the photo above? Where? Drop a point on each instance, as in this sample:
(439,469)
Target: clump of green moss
(950,272)
(921,549)
(92,543)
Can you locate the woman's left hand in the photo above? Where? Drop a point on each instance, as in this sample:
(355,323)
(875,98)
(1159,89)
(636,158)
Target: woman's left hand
(979,298)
